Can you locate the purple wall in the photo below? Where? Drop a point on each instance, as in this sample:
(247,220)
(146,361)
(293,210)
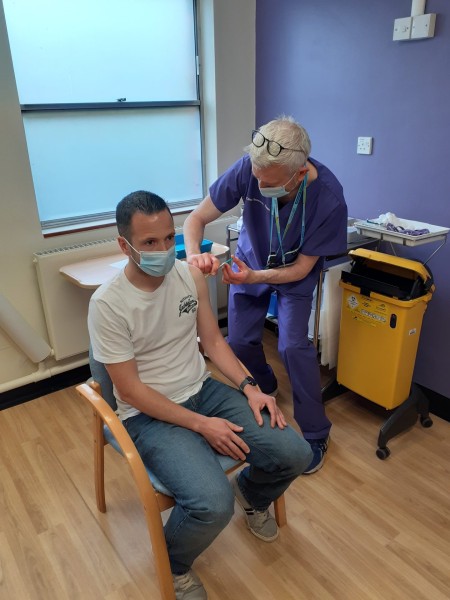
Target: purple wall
(334,67)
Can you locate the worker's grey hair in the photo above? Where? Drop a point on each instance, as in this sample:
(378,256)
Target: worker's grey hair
(288,133)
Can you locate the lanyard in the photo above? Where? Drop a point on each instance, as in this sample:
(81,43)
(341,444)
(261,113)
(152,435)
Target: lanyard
(274,217)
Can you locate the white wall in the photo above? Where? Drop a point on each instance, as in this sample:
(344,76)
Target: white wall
(229,93)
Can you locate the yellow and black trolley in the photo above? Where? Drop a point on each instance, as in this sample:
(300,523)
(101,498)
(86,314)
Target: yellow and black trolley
(384,300)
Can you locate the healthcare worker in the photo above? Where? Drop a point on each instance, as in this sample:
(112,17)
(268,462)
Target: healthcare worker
(294,215)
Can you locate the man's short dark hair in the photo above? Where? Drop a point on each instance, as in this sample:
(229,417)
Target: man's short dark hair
(140,201)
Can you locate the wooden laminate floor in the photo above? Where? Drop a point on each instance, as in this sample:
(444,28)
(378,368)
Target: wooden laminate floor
(360,528)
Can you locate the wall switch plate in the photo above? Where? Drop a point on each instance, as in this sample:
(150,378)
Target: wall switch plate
(423,26)
(402,29)
(364,145)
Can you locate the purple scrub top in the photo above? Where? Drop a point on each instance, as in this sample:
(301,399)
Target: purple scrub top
(325,216)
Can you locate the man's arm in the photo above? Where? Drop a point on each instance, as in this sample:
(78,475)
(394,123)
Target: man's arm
(194,229)
(298,270)
(223,357)
(131,390)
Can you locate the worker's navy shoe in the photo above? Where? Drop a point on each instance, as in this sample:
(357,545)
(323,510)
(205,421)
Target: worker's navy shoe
(319,448)
(271,390)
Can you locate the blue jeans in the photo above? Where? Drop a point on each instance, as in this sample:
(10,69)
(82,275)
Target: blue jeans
(187,465)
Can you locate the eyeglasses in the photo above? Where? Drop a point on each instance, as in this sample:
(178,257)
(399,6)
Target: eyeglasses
(273,148)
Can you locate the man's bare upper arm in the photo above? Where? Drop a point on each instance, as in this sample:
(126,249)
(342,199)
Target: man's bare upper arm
(206,321)
(125,376)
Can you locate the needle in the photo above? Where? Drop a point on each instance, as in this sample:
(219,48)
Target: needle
(225,262)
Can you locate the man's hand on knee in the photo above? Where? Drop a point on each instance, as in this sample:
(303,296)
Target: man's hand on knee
(222,436)
(258,401)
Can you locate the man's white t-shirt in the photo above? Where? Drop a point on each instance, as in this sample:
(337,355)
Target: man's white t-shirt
(158,329)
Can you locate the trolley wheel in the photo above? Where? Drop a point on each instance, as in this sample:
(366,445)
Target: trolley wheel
(426,421)
(383,453)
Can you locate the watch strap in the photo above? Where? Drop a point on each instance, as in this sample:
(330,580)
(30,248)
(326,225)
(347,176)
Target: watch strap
(247,381)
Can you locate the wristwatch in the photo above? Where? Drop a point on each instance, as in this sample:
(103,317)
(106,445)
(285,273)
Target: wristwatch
(247,381)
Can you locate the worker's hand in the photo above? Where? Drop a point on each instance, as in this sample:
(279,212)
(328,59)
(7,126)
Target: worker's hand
(221,435)
(243,275)
(207,263)
(258,401)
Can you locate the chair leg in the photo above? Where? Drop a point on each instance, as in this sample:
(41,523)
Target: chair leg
(162,565)
(99,463)
(280,511)
(156,532)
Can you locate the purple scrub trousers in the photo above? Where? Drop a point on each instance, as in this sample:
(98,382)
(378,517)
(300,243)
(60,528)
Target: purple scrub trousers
(247,311)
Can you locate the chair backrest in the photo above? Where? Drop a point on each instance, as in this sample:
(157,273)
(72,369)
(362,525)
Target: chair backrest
(101,376)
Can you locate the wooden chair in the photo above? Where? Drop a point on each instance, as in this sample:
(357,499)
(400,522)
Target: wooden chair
(155,498)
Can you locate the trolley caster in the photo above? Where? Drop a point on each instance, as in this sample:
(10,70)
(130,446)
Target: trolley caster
(426,421)
(383,453)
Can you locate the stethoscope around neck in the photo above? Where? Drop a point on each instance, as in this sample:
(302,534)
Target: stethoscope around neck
(275,218)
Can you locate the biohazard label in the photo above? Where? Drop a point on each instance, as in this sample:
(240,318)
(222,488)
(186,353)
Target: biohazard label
(352,301)
(367,310)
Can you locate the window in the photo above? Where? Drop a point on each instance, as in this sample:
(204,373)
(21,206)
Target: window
(110,102)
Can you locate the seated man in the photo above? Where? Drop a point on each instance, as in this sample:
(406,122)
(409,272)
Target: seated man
(143,326)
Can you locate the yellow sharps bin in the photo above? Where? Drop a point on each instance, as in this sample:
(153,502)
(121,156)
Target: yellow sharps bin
(383,303)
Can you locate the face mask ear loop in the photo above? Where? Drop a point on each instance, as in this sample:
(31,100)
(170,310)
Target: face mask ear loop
(131,255)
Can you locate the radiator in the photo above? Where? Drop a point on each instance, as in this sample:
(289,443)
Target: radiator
(66,305)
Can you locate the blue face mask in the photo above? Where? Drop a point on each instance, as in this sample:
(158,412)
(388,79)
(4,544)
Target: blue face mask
(156,264)
(276,192)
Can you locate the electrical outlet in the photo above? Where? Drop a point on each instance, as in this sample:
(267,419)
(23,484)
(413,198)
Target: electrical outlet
(364,145)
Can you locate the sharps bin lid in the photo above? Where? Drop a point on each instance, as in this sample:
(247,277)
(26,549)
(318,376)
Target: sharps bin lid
(387,274)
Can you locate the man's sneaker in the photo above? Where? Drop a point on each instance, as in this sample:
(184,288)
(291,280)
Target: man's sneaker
(260,523)
(319,448)
(189,587)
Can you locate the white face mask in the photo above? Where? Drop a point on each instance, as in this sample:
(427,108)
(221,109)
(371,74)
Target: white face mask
(276,192)
(155,264)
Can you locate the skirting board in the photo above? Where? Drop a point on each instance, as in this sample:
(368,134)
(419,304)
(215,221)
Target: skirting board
(439,405)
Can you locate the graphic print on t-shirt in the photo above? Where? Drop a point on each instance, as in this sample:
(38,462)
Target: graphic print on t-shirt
(188,304)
